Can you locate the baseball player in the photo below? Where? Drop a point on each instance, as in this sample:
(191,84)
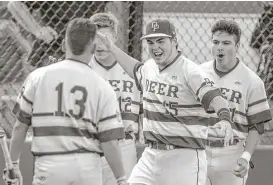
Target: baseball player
(246,96)
(74,115)
(128,96)
(176,96)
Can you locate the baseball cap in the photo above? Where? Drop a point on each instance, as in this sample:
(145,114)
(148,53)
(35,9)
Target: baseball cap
(159,28)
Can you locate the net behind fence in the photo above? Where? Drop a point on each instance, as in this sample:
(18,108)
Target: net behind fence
(24,48)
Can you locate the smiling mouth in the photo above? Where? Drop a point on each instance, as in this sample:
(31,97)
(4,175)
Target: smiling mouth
(158,55)
(100,51)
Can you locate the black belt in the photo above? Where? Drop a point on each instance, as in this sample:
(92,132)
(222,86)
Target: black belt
(161,146)
(78,151)
(220,143)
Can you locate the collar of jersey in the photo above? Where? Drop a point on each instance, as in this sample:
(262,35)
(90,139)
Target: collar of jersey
(168,65)
(73,60)
(221,73)
(105,67)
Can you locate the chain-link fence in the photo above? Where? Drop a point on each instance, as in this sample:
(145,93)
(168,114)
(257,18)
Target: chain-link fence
(24,48)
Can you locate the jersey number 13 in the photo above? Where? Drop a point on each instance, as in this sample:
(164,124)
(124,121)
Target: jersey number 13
(79,102)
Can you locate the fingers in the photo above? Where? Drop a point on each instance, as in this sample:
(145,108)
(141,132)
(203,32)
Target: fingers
(52,59)
(53,32)
(216,126)
(240,172)
(241,169)
(102,36)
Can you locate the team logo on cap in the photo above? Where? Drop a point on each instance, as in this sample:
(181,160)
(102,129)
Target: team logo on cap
(155,26)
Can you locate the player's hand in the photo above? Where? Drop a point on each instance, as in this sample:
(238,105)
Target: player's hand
(46,34)
(52,60)
(241,168)
(222,129)
(18,176)
(105,40)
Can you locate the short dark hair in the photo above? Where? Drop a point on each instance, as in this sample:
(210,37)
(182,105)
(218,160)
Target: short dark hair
(231,27)
(79,33)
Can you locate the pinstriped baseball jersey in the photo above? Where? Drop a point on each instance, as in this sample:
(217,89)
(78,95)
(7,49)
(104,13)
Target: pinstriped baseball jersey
(174,99)
(246,96)
(70,108)
(127,93)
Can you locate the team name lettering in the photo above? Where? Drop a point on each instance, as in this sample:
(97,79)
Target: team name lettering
(231,95)
(122,85)
(161,88)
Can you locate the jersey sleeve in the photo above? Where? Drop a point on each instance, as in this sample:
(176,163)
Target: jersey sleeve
(138,75)
(258,108)
(110,126)
(24,103)
(202,86)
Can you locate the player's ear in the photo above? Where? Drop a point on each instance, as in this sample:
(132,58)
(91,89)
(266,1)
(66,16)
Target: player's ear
(93,49)
(237,46)
(115,37)
(63,45)
(175,41)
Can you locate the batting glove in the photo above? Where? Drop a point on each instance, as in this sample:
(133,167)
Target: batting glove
(18,180)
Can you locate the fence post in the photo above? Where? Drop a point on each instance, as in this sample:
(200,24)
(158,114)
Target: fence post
(135,28)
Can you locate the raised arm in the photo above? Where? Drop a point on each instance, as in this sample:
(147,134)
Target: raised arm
(127,62)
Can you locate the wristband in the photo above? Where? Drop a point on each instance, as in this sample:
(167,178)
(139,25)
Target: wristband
(246,155)
(224,114)
(122,178)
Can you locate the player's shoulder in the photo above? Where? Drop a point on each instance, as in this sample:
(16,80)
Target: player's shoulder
(187,63)
(98,80)
(146,65)
(36,74)
(250,75)
(149,63)
(207,64)
(189,67)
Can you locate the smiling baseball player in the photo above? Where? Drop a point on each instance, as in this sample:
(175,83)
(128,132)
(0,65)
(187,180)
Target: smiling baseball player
(176,94)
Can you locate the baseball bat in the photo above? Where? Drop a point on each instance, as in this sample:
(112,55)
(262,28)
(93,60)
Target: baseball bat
(6,153)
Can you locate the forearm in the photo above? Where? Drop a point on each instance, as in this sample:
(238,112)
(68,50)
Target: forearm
(17,140)
(127,62)
(113,156)
(218,103)
(252,141)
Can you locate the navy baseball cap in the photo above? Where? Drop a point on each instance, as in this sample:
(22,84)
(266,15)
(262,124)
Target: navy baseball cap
(159,28)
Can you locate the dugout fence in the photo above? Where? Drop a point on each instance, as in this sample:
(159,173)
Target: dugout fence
(23,51)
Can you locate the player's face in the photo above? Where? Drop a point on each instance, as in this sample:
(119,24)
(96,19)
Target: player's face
(160,49)
(102,51)
(224,48)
